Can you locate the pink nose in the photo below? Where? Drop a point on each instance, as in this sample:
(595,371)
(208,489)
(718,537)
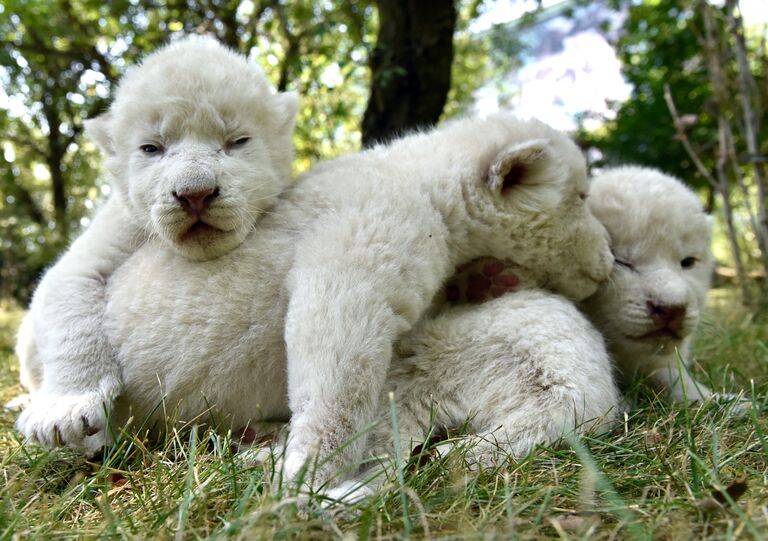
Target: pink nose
(667,316)
(195,202)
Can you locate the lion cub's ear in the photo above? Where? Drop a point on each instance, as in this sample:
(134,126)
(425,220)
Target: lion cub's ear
(517,164)
(527,174)
(288,106)
(99,130)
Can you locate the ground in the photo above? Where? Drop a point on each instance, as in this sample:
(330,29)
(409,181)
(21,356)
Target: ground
(662,475)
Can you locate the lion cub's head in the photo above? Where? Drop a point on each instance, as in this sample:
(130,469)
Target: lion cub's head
(198,145)
(660,237)
(527,201)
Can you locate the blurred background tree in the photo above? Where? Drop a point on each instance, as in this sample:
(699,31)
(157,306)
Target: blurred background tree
(658,46)
(361,81)
(696,111)
(410,67)
(61,59)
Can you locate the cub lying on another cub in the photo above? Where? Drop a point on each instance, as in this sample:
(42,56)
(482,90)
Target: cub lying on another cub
(347,261)
(525,368)
(652,303)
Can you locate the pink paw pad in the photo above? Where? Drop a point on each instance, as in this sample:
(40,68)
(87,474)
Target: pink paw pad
(507,281)
(477,287)
(244,436)
(480,280)
(493,268)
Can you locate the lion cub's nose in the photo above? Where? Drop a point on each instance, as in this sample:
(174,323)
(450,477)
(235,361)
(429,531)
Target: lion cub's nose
(669,316)
(195,202)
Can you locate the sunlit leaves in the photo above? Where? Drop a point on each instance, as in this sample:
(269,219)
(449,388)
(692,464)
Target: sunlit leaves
(658,45)
(61,59)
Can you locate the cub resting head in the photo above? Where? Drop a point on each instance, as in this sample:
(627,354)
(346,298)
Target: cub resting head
(531,207)
(198,145)
(660,237)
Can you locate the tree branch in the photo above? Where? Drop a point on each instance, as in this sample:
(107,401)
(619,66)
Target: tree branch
(750,127)
(718,81)
(683,138)
(293,48)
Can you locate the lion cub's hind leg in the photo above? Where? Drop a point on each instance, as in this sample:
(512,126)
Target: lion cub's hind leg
(515,372)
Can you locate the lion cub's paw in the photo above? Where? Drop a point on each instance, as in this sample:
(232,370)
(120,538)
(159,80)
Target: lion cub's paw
(348,492)
(735,405)
(481,280)
(259,455)
(18,403)
(77,421)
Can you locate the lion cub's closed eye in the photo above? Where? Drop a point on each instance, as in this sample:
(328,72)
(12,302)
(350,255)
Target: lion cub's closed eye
(653,302)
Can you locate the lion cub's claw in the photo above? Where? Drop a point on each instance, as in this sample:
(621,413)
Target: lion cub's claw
(76,421)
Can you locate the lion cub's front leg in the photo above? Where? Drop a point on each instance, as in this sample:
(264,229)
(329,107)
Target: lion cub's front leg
(673,379)
(352,293)
(66,360)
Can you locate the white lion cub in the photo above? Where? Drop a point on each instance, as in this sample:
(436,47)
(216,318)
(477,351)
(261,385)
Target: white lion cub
(653,302)
(515,372)
(197,144)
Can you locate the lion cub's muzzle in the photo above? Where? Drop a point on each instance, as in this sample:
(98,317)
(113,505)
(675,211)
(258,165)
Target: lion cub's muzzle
(196,202)
(669,321)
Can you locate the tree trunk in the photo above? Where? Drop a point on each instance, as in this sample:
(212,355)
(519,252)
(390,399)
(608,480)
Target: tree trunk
(733,242)
(56,150)
(720,92)
(410,67)
(751,128)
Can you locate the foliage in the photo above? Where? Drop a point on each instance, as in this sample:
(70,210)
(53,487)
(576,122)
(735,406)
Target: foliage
(480,59)
(62,58)
(658,46)
(50,91)
(652,478)
(688,114)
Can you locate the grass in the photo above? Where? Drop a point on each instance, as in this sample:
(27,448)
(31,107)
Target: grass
(660,476)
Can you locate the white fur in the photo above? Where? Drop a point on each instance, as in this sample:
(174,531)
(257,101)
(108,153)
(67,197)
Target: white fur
(527,367)
(347,261)
(192,99)
(369,269)
(498,379)
(515,372)
(655,222)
